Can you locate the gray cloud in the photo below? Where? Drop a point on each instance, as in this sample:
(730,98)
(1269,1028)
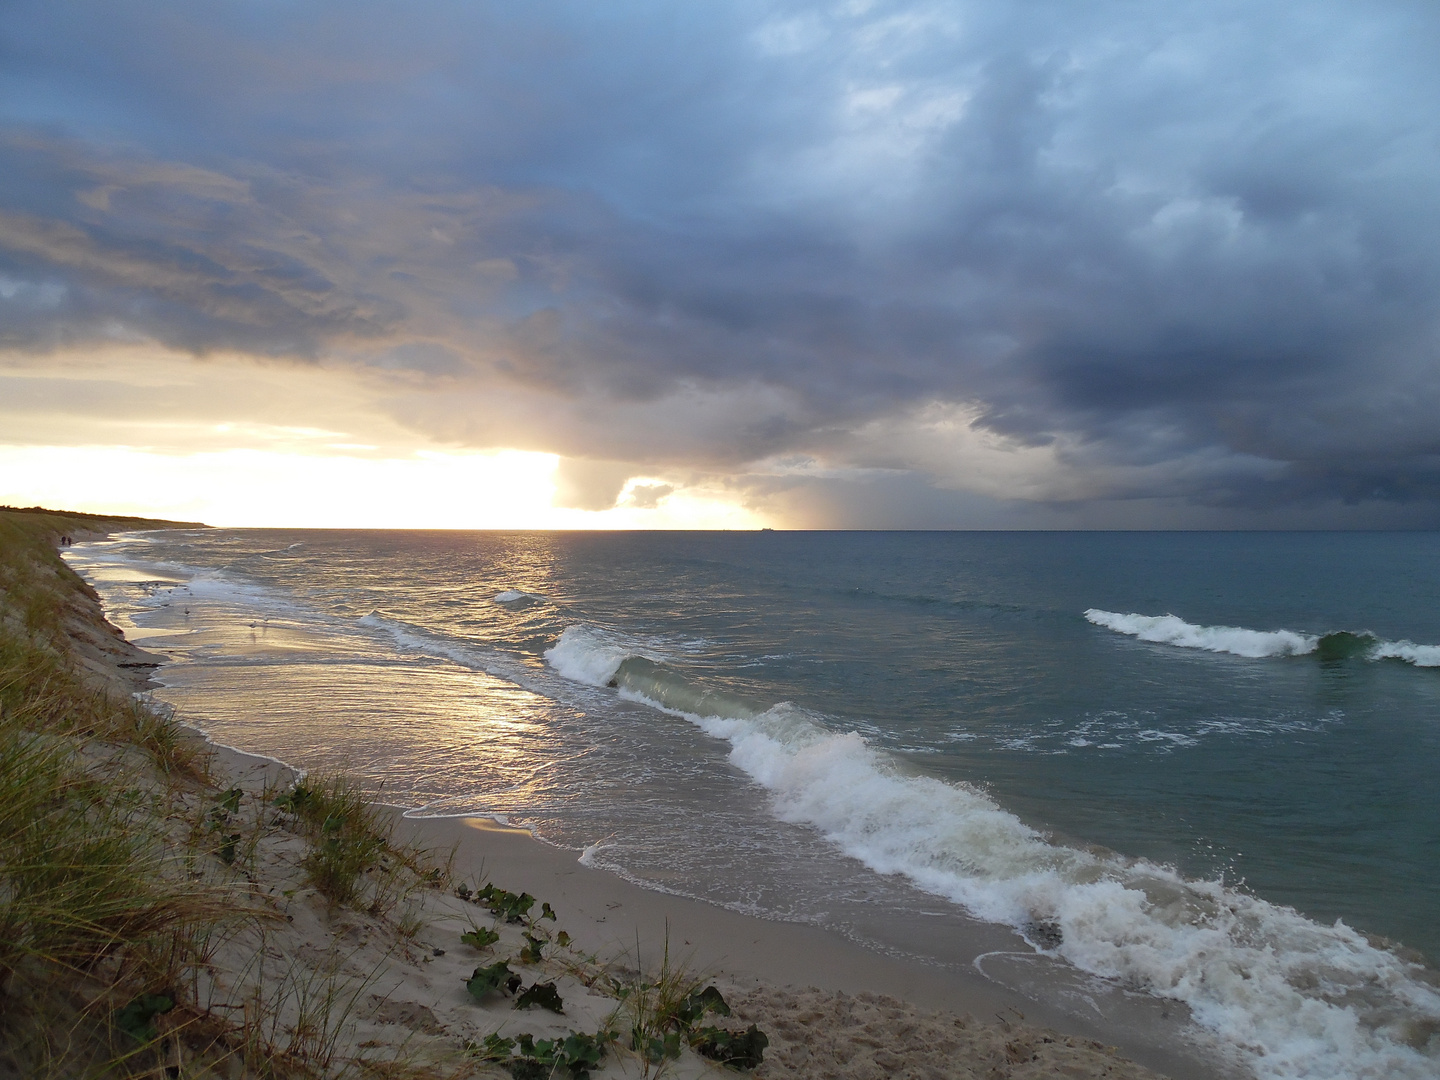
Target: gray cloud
(1184,256)
(589,485)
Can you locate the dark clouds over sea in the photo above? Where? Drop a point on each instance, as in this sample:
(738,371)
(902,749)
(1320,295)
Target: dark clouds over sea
(884,263)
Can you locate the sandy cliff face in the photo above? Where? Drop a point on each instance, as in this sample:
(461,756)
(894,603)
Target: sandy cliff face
(100,650)
(40,593)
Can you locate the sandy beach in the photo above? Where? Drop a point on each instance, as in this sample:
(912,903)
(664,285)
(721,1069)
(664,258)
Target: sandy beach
(375,980)
(830,1008)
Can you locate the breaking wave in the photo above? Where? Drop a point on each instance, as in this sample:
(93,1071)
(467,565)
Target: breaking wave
(1336,645)
(1302,999)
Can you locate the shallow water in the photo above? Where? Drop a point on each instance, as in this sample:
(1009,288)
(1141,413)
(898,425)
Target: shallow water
(825,726)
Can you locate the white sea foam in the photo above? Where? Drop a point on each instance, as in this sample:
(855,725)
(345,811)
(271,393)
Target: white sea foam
(588,654)
(587,857)
(1169,630)
(1419,655)
(1304,1000)
(163,584)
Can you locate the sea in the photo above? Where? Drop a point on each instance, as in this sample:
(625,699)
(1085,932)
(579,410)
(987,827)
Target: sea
(1198,768)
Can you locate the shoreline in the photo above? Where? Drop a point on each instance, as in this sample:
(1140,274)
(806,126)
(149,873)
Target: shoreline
(608,917)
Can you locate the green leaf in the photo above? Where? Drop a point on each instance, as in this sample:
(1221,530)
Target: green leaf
(496,1047)
(542,994)
(137,1018)
(480,938)
(698,1004)
(505,905)
(562,939)
(656,1049)
(226,851)
(296,799)
(547,912)
(486,980)
(741,1050)
(531,953)
(582,1051)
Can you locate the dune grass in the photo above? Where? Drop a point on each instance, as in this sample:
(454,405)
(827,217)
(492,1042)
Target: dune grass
(105,922)
(354,856)
(94,914)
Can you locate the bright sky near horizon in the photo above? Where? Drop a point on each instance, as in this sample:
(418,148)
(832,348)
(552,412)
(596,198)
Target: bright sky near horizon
(959,264)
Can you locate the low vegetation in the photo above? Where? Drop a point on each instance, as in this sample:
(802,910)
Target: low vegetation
(98,921)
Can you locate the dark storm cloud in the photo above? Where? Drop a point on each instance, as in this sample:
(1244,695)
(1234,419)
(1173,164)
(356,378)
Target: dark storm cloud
(1192,250)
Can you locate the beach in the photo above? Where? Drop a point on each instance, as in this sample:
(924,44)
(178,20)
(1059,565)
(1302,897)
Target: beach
(977,789)
(1199,837)
(393,974)
(829,1008)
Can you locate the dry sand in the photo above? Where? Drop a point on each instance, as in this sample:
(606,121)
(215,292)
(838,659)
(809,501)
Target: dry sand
(829,1007)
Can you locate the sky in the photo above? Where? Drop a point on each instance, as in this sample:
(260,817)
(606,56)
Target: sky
(970,264)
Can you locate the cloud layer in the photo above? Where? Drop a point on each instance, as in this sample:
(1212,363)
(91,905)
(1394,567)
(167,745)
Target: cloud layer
(868,263)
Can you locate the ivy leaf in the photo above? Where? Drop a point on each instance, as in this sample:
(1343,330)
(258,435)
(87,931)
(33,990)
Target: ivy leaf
(480,938)
(698,1004)
(137,1019)
(542,994)
(741,1050)
(486,980)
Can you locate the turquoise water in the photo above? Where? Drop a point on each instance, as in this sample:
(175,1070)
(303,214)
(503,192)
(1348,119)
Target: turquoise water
(811,725)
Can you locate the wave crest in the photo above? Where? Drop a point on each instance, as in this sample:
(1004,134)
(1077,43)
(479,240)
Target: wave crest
(1170,630)
(1336,645)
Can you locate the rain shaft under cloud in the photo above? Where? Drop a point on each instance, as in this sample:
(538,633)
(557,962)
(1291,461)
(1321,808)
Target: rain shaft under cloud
(869,263)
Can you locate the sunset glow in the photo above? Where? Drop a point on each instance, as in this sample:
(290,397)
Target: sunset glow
(870,265)
(149,432)
(505,489)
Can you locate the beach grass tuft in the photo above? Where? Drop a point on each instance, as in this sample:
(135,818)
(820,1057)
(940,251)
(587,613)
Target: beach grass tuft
(354,856)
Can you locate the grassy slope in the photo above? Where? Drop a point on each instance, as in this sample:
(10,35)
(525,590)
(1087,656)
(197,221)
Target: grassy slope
(89,911)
